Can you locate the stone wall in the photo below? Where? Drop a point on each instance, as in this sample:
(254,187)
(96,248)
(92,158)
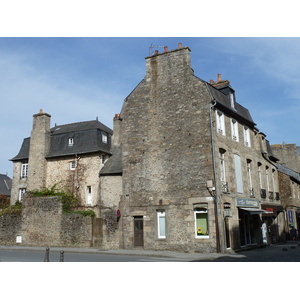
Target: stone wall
(10,227)
(166,152)
(42,223)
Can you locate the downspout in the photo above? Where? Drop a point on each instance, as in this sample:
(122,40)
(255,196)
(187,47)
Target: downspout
(216,196)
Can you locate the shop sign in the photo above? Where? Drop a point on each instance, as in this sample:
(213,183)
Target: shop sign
(290,215)
(247,202)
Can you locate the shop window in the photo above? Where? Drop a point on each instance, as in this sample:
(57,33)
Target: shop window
(201,223)
(161,224)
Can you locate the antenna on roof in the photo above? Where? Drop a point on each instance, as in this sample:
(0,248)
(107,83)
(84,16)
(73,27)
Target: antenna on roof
(96,118)
(151,51)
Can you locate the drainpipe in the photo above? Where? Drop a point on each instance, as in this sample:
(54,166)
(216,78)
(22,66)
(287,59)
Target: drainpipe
(216,197)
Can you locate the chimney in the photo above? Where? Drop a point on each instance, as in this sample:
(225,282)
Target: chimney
(38,149)
(166,49)
(219,77)
(179,45)
(116,138)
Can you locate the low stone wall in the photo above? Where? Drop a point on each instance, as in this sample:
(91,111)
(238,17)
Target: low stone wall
(10,227)
(42,223)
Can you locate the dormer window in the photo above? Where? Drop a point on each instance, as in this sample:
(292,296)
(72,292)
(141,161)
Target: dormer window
(104,137)
(231,95)
(71,141)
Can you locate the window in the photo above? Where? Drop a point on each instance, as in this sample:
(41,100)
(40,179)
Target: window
(232,100)
(238,174)
(71,141)
(21,194)
(259,175)
(161,224)
(24,170)
(247,137)
(234,130)
(89,195)
(267,178)
(72,165)
(249,178)
(222,170)
(104,137)
(201,222)
(220,122)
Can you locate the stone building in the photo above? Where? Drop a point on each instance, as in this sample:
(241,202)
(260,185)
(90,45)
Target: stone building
(196,173)
(186,169)
(68,156)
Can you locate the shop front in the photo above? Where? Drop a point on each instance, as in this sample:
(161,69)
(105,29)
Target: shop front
(273,224)
(249,213)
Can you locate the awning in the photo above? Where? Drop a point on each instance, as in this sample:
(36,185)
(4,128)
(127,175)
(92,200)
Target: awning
(255,211)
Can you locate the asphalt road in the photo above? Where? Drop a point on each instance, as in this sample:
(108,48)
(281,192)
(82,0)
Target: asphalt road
(288,252)
(54,256)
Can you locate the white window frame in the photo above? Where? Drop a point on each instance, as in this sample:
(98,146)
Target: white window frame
(234,130)
(24,170)
(72,165)
(201,210)
(259,175)
(223,169)
(89,195)
(161,221)
(104,137)
(249,175)
(22,191)
(220,121)
(247,136)
(232,100)
(267,179)
(71,141)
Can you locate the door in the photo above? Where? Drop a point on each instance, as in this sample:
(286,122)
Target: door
(227,233)
(138,231)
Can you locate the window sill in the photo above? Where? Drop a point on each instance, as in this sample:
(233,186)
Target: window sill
(202,237)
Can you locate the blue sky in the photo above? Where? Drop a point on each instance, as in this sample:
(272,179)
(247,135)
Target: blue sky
(79,79)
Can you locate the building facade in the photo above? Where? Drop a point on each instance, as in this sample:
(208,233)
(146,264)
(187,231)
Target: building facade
(186,168)
(197,175)
(68,157)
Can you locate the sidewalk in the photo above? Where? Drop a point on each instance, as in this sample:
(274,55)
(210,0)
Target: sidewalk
(141,252)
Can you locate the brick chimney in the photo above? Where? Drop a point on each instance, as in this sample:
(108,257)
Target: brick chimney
(39,147)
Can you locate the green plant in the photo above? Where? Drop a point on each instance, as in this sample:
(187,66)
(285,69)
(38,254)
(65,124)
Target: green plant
(69,201)
(12,209)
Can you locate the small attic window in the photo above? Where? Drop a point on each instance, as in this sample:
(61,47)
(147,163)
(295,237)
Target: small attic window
(71,141)
(231,95)
(104,137)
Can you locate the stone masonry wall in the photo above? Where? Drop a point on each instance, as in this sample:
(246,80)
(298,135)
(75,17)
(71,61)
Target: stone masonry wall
(166,150)
(10,226)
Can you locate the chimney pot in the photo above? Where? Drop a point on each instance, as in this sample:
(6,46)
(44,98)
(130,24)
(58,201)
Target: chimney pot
(179,45)
(156,52)
(219,77)
(166,49)
(211,81)
(41,111)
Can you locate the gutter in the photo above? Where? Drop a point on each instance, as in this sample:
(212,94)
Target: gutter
(216,196)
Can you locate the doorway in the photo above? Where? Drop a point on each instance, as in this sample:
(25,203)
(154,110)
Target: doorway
(138,231)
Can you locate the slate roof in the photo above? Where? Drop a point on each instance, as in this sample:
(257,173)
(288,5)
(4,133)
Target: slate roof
(287,171)
(87,139)
(5,185)
(223,102)
(113,166)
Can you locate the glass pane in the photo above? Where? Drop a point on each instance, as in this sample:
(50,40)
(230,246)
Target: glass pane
(162,226)
(202,224)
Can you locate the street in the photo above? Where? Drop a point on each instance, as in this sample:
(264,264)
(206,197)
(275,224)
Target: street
(287,252)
